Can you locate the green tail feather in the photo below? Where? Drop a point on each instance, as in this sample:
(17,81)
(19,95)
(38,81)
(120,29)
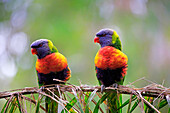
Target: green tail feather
(51,105)
(114,101)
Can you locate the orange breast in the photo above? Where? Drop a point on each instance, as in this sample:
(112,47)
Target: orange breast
(110,58)
(54,62)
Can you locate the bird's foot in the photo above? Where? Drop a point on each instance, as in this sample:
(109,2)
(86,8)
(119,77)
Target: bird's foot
(42,88)
(102,88)
(115,85)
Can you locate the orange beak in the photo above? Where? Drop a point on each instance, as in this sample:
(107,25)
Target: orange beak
(96,40)
(33,51)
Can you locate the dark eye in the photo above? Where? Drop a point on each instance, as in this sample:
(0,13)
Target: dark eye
(40,45)
(104,35)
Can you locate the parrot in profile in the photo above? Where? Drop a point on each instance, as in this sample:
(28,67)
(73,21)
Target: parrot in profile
(110,65)
(50,65)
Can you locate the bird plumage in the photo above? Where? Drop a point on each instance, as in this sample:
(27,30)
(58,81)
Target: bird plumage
(110,64)
(108,37)
(50,65)
(53,66)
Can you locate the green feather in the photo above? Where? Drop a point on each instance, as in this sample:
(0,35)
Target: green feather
(116,41)
(114,100)
(52,47)
(117,44)
(51,105)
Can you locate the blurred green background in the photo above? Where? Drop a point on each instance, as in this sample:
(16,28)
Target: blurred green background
(143,26)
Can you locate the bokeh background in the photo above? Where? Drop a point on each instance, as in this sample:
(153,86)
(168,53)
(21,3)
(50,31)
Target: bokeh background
(143,26)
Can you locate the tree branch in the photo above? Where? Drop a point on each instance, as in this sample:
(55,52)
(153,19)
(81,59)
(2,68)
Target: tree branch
(153,90)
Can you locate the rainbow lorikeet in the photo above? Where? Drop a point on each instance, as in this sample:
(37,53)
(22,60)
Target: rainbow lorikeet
(110,65)
(50,65)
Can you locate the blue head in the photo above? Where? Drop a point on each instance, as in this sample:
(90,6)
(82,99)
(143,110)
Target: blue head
(108,37)
(42,48)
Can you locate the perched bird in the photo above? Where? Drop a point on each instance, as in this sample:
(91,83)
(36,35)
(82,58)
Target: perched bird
(111,65)
(50,65)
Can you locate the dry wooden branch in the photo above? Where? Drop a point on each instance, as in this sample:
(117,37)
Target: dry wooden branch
(153,90)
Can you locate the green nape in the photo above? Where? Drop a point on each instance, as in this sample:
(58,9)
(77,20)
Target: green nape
(52,47)
(116,41)
(118,44)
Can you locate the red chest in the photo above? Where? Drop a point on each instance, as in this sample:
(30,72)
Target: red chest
(110,57)
(54,62)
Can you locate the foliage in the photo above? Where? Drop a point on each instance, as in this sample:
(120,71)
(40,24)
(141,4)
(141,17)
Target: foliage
(84,99)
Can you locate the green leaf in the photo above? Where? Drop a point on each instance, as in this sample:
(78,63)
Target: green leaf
(162,104)
(147,108)
(5,105)
(38,104)
(75,94)
(89,100)
(19,104)
(87,94)
(103,98)
(135,105)
(127,102)
(130,102)
(70,104)
(13,106)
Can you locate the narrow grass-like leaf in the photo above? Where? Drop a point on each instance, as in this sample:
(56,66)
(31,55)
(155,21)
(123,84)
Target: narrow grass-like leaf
(162,104)
(5,108)
(75,94)
(70,104)
(33,102)
(127,102)
(132,98)
(147,108)
(100,96)
(120,102)
(13,106)
(94,102)
(87,94)
(19,103)
(89,100)
(103,98)
(135,105)
(38,104)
